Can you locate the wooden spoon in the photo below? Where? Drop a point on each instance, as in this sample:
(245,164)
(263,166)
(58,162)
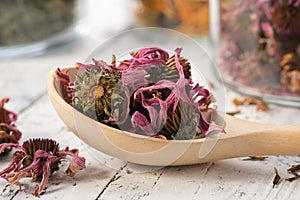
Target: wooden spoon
(242,138)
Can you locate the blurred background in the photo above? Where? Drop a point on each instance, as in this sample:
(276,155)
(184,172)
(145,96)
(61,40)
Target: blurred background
(33,27)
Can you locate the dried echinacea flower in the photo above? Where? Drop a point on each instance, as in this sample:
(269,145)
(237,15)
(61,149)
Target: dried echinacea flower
(38,159)
(173,109)
(8,132)
(93,88)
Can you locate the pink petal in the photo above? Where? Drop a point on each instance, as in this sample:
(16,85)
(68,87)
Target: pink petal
(182,82)
(3,146)
(102,65)
(153,53)
(13,135)
(34,169)
(200,95)
(65,82)
(139,121)
(148,55)
(77,162)
(267,28)
(134,78)
(13,166)
(46,173)
(11,115)
(61,77)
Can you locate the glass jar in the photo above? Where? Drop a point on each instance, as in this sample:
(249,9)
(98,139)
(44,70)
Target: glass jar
(188,16)
(33,26)
(260,48)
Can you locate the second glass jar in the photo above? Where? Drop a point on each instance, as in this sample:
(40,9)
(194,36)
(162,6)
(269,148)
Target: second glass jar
(260,47)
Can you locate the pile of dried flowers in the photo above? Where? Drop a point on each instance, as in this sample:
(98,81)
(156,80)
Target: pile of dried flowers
(151,94)
(36,158)
(262,47)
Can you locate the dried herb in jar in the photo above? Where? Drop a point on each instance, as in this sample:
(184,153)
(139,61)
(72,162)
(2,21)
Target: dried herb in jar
(262,44)
(28,21)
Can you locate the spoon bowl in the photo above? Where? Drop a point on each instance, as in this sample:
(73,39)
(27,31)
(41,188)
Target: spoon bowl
(242,138)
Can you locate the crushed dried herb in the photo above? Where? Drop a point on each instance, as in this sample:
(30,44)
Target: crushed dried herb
(211,85)
(292,178)
(248,100)
(233,113)
(256,158)
(277,179)
(294,169)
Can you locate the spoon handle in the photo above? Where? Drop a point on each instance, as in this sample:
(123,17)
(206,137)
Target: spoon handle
(246,138)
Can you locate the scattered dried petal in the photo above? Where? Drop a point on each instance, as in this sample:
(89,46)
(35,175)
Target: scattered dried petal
(261,105)
(294,168)
(256,158)
(77,163)
(211,85)
(233,113)
(292,178)
(277,179)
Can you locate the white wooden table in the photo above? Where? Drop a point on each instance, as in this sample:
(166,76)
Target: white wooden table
(23,80)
